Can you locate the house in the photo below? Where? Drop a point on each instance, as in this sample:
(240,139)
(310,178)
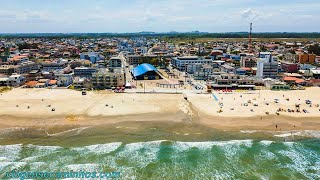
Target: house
(44,81)
(17,59)
(31,84)
(294,81)
(64,80)
(52,82)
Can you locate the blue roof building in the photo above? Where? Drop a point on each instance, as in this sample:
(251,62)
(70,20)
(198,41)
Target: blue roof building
(145,71)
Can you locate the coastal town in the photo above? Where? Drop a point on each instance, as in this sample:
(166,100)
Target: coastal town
(160,89)
(149,63)
(204,80)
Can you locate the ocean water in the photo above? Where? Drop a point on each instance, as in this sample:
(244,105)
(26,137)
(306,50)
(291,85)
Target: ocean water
(183,155)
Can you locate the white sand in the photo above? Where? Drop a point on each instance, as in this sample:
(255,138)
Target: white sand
(70,102)
(208,105)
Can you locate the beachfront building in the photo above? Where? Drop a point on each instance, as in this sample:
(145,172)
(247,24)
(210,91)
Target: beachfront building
(146,72)
(106,79)
(266,67)
(275,85)
(4,81)
(181,62)
(84,71)
(200,71)
(63,79)
(16,80)
(231,81)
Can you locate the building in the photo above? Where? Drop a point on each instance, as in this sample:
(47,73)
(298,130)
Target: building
(7,69)
(306,58)
(266,67)
(315,73)
(4,81)
(181,62)
(22,68)
(146,71)
(17,59)
(84,71)
(115,62)
(50,66)
(289,67)
(106,79)
(63,80)
(276,85)
(133,59)
(93,57)
(227,68)
(26,67)
(247,61)
(290,57)
(200,71)
(16,80)
(231,81)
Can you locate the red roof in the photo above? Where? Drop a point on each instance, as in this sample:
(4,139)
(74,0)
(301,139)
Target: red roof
(296,80)
(31,83)
(288,78)
(52,82)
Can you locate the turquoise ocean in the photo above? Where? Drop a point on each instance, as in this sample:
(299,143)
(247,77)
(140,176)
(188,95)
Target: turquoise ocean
(165,152)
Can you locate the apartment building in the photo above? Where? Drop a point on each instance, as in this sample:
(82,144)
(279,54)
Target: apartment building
(181,62)
(306,58)
(247,61)
(85,72)
(266,67)
(106,79)
(115,62)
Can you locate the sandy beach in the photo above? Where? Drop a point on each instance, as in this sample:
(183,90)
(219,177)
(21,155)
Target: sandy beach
(34,107)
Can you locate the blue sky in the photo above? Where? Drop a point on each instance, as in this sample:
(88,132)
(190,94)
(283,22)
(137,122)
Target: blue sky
(159,15)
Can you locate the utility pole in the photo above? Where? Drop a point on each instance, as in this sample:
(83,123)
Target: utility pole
(250,39)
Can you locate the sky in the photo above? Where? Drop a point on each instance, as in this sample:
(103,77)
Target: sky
(118,16)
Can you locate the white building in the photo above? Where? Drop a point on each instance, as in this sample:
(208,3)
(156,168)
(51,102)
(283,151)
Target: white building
(16,80)
(181,62)
(63,79)
(266,67)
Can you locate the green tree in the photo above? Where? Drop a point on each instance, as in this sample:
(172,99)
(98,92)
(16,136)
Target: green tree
(315,49)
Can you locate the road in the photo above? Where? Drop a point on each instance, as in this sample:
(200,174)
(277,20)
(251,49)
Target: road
(125,64)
